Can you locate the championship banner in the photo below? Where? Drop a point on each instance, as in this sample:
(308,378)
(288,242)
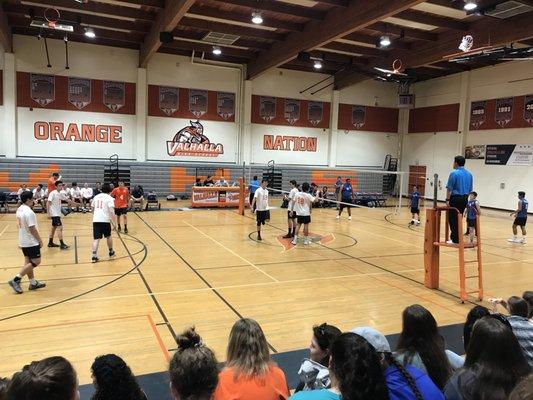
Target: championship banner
(504,111)
(267,108)
(292,111)
(226,105)
(79,92)
(114,95)
(358,116)
(475,152)
(478,111)
(169,99)
(509,154)
(528,109)
(315,112)
(197,102)
(42,89)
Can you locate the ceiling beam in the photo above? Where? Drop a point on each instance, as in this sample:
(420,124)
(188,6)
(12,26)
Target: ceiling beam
(362,38)
(433,19)
(147,3)
(6,36)
(398,30)
(166,20)
(455,5)
(110,10)
(231,29)
(352,48)
(336,3)
(278,7)
(214,12)
(338,22)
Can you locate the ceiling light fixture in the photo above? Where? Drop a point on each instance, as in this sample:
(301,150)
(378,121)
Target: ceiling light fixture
(470,5)
(217,51)
(384,41)
(257,18)
(89,32)
(317,64)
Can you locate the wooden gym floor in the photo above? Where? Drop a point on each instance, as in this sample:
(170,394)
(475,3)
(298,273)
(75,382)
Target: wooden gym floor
(203,268)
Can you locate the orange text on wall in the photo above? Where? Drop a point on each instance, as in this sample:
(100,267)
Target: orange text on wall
(74,132)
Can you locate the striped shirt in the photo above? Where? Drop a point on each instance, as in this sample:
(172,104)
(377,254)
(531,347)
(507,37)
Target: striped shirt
(523,330)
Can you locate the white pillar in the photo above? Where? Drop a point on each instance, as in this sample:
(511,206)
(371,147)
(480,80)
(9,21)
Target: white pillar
(9,131)
(333,128)
(141,106)
(464,110)
(246,155)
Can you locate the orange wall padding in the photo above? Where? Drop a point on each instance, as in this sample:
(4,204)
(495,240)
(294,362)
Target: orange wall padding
(34,178)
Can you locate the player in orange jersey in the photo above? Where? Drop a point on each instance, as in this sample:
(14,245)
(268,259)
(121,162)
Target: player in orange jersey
(122,199)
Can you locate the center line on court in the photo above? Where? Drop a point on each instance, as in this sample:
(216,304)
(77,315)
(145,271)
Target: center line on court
(231,251)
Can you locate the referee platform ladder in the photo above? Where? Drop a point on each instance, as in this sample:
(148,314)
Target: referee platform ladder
(470,271)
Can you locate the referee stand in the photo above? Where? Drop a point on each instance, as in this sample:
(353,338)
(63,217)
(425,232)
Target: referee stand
(433,241)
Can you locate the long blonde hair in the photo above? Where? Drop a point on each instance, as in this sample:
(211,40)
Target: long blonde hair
(248,350)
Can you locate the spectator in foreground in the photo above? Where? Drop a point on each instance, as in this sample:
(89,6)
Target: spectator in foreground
(113,380)
(524,389)
(314,373)
(494,364)
(52,378)
(193,368)
(421,345)
(250,374)
(4,383)
(404,383)
(355,372)
(474,314)
(528,297)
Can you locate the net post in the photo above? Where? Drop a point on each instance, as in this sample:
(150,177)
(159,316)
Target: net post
(431,251)
(399,208)
(435,189)
(241,196)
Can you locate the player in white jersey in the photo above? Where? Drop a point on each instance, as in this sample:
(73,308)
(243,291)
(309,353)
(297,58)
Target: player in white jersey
(291,216)
(302,207)
(86,195)
(29,242)
(53,208)
(260,205)
(103,216)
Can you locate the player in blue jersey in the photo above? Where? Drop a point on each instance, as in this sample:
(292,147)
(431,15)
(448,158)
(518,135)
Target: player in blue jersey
(472,211)
(415,206)
(520,219)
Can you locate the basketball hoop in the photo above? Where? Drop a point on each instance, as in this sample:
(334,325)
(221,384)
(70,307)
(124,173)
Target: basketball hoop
(397,66)
(50,18)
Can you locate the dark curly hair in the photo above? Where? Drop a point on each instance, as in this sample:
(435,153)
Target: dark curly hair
(325,335)
(474,314)
(356,365)
(114,380)
(193,368)
(4,383)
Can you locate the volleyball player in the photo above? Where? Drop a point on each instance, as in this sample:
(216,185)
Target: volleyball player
(302,207)
(53,208)
(30,243)
(52,181)
(520,219)
(291,215)
(260,207)
(346,198)
(103,216)
(472,211)
(122,199)
(415,210)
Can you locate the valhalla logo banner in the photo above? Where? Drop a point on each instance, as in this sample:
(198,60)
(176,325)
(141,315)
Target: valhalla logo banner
(191,141)
(114,95)
(79,92)
(169,99)
(42,89)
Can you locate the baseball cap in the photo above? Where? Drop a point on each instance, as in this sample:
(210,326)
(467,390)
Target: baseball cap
(375,338)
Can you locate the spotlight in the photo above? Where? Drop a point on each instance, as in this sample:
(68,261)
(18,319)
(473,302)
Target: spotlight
(470,5)
(317,64)
(89,32)
(217,51)
(257,18)
(384,41)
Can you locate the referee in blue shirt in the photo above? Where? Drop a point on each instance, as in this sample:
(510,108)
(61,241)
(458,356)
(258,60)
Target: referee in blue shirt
(460,184)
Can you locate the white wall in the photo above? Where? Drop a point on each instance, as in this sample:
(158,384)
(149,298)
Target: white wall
(2,150)
(365,149)
(436,151)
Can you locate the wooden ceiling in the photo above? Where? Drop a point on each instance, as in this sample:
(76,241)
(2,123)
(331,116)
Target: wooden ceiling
(343,33)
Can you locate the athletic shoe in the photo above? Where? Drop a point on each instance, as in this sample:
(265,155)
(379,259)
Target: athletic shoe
(94,259)
(513,240)
(63,246)
(412,222)
(287,236)
(125,230)
(294,242)
(119,228)
(338,216)
(450,242)
(112,254)
(522,241)
(350,217)
(417,223)
(38,285)
(16,286)
(53,245)
(259,238)
(307,242)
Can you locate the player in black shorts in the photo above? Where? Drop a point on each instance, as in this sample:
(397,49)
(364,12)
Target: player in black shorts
(260,205)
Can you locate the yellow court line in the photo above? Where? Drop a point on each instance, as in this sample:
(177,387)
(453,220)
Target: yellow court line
(232,252)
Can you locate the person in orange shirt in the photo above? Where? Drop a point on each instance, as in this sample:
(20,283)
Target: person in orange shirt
(52,181)
(122,199)
(250,374)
